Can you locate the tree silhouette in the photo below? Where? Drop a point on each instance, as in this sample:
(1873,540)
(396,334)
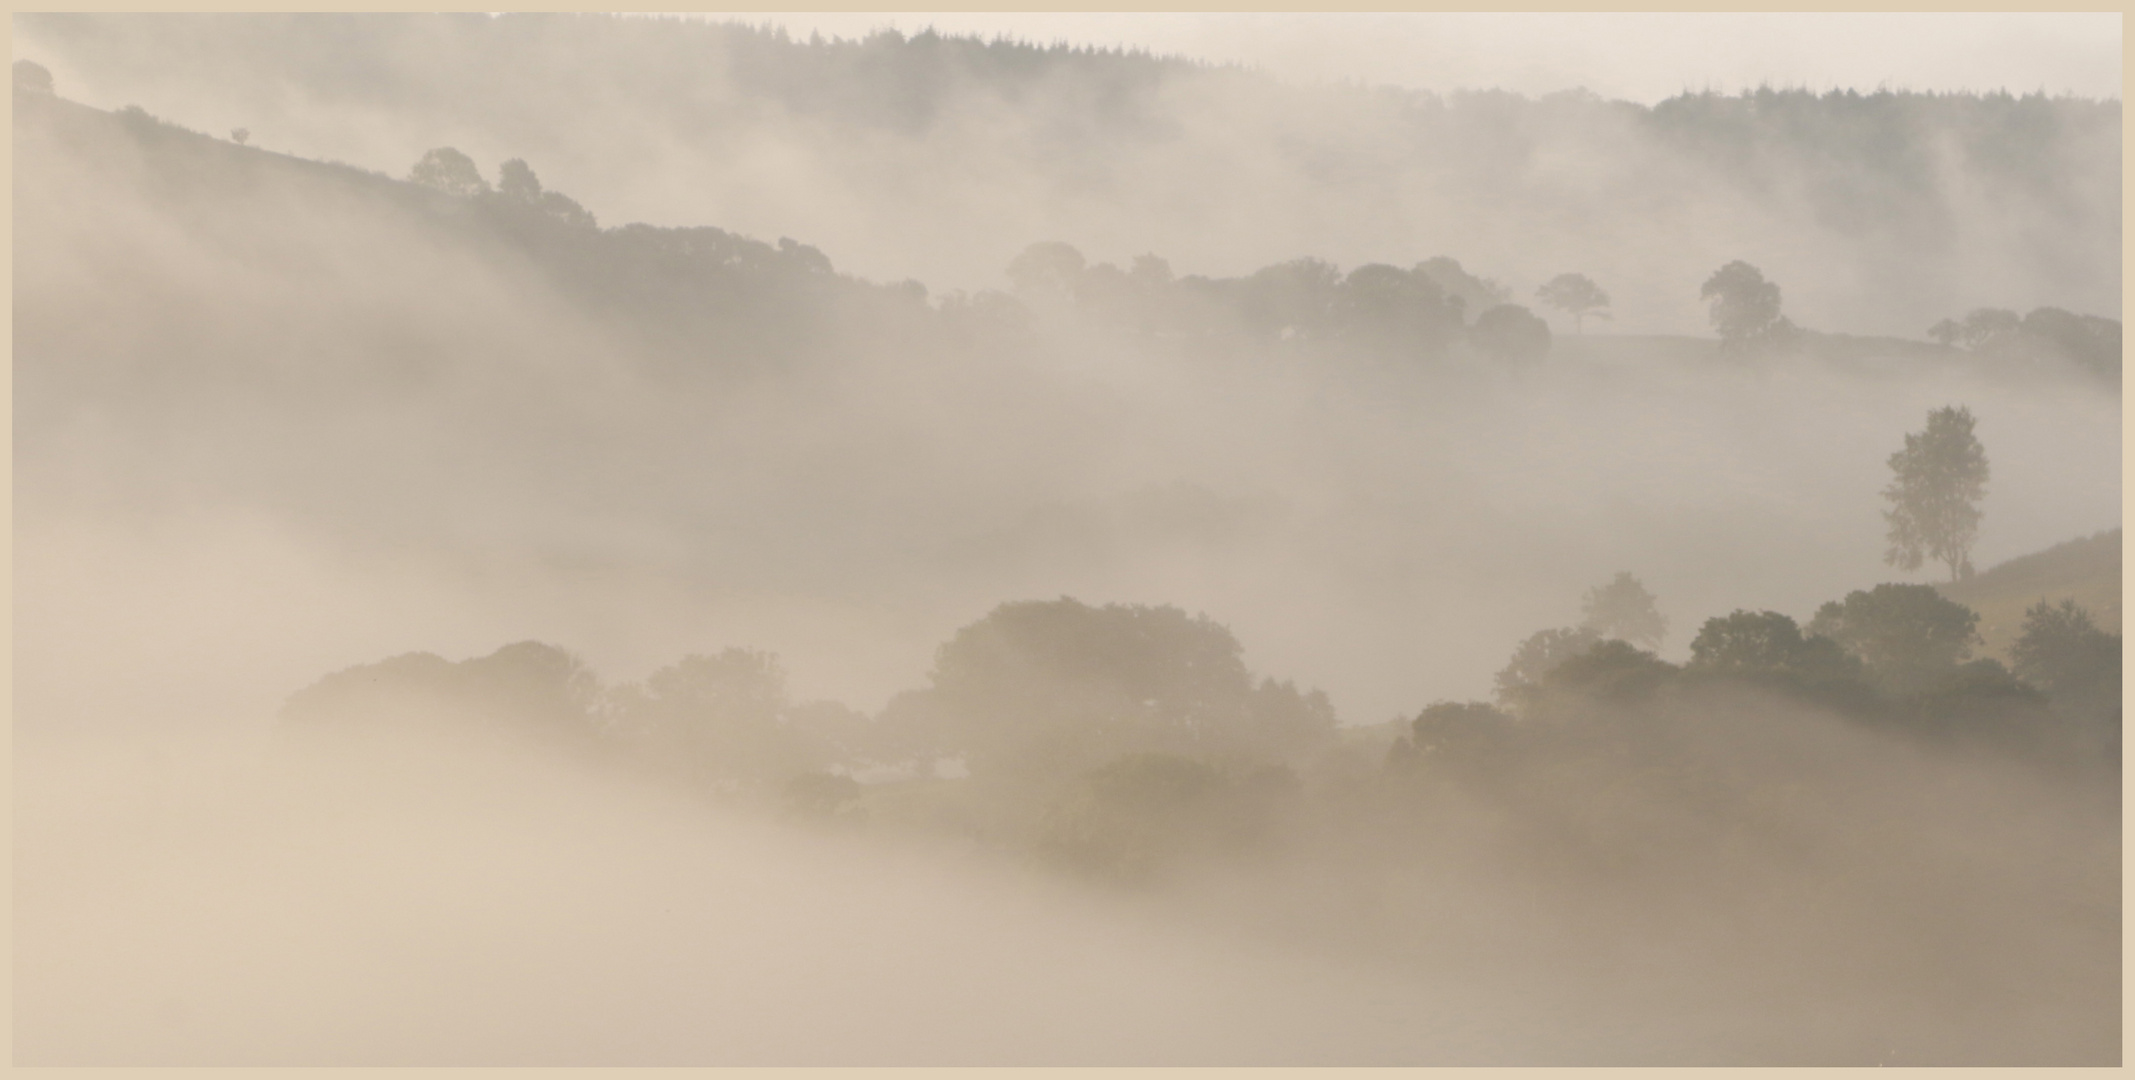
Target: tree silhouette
(1909,636)
(2063,653)
(1940,477)
(1624,609)
(32,77)
(1511,334)
(517,183)
(1540,654)
(1575,295)
(1048,266)
(1768,645)
(1040,687)
(1743,306)
(449,171)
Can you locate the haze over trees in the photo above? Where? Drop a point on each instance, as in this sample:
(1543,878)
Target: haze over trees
(1024,554)
(894,150)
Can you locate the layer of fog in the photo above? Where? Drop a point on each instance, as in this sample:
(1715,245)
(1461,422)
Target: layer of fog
(271,430)
(426,905)
(907,165)
(267,433)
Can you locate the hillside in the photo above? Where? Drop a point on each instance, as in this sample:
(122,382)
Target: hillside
(938,158)
(2086,571)
(779,453)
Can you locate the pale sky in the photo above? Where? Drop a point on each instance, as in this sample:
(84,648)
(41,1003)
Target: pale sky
(1640,57)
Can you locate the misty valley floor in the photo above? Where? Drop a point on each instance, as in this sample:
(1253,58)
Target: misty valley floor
(177,912)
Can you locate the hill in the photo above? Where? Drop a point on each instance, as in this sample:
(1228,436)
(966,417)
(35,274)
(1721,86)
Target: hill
(938,158)
(2085,570)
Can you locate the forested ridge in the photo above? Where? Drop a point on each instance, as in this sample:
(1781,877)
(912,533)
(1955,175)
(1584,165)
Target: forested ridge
(938,157)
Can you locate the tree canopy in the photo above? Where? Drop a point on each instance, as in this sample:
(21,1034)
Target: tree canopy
(1624,609)
(1043,687)
(451,172)
(1575,295)
(1743,306)
(1908,635)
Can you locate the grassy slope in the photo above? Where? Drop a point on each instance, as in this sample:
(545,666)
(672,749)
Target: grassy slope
(2087,570)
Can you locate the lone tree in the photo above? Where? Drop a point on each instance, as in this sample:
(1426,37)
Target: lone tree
(1575,295)
(1744,307)
(1934,499)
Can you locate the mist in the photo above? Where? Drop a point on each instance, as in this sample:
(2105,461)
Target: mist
(765,407)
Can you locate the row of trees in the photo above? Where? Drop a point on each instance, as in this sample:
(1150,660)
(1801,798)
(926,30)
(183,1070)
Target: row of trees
(1422,311)
(2046,335)
(1896,656)
(1031,693)
(1120,737)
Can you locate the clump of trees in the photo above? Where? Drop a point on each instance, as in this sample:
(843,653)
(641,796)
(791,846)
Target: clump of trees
(1907,637)
(1896,655)
(1138,816)
(2046,335)
(1040,690)
(1418,312)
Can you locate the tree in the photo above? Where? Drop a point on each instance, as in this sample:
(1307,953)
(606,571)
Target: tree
(32,77)
(524,689)
(1476,293)
(1396,309)
(1909,636)
(1455,735)
(1575,295)
(240,136)
(1511,334)
(1743,306)
(517,183)
(449,171)
(1048,266)
(1769,645)
(719,718)
(1624,609)
(1981,328)
(1043,688)
(1299,297)
(1611,671)
(2065,654)
(1539,655)
(1940,477)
